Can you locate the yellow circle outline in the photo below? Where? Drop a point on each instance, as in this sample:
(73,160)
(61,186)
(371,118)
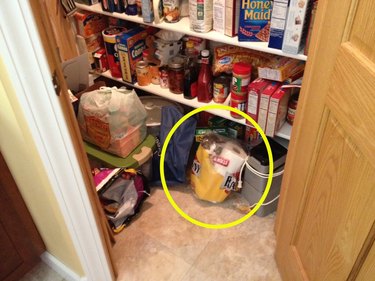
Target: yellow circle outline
(162,159)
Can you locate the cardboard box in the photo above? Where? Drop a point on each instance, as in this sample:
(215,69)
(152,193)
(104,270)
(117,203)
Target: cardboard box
(235,130)
(265,97)
(219,15)
(281,68)
(255,17)
(278,23)
(89,23)
(255,89)
(130,45)
(232,17)
(296,26)
(277,111)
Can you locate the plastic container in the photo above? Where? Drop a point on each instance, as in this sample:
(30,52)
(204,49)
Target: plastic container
(143,73)
(241,77)
(171,10)
(292,107)
(109,37)
(176,75)
(153,106)
(164,77)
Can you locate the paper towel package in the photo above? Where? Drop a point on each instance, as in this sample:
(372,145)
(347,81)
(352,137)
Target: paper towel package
(216,166)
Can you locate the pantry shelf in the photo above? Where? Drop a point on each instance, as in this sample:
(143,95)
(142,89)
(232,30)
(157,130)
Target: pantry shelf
(183,26)
(284,132)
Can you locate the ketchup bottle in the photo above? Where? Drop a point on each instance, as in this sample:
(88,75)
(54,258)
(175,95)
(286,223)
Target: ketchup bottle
(205,78)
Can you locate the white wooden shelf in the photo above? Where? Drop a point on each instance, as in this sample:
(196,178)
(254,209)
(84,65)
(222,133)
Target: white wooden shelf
(284,132)
(183,26)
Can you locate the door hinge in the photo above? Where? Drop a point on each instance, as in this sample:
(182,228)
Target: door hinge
(56,83)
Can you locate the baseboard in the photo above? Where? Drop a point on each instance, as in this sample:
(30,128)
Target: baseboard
(60,268)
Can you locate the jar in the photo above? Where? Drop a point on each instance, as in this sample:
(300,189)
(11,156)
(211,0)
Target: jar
(241,77)
(164,77)
(292,107)
(171,10)
(143,75)
(176,75)
(238,100)
(221,89)
(154,72)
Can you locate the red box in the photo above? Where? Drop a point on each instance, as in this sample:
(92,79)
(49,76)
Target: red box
(277,110)
(265,97)
(254,90)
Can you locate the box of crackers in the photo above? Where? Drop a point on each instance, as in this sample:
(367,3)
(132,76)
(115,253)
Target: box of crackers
(255,17)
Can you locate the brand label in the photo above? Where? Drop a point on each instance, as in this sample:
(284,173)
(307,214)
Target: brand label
(221,161)
(196,167)
(98,131)
(229,182)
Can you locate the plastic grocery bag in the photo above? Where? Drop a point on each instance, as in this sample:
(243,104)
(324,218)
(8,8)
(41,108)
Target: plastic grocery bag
(216,167)
(113,119)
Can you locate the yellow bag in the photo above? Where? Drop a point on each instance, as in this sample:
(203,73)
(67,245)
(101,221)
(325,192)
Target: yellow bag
(216,167)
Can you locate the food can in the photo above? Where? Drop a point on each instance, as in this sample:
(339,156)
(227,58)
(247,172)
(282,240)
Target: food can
(143,74)
(109,37)
(164,78)
(238,100)
(221,89)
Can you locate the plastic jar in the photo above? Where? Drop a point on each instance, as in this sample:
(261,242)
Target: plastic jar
(238,100)
(292,107)
(221,89)
(164,77)
(154,73)
(143,74)
(241,77)
(176,75)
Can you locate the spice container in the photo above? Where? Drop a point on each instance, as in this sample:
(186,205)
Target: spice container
(176,75)
(221,88)
(292,107)
(164,77)
(241,77)
(143,74)
(238,101)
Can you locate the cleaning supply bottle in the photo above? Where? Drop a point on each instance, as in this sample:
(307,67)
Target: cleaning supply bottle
(190,72)
(204,86)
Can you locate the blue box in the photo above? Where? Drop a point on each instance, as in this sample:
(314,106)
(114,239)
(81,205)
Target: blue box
(255,16)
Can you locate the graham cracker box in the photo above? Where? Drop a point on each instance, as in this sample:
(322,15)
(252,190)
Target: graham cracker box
(277,110)
(297,25)
(130,45)
(278,22)
(281,68)
(265,97)
(255,17)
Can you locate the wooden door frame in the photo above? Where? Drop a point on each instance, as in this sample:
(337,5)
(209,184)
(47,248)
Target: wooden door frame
(28,69)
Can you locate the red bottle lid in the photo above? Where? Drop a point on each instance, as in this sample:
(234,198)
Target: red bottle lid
(241,68)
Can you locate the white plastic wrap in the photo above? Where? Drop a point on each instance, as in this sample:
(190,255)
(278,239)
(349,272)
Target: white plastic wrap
(113,119)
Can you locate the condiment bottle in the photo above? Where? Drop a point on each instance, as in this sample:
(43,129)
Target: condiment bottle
(190,73)
(205,78)
(292,107)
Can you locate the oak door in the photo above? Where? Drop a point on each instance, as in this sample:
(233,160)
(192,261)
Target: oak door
(325,223)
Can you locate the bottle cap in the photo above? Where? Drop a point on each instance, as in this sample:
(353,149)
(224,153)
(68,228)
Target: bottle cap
(205,53)
(242,68)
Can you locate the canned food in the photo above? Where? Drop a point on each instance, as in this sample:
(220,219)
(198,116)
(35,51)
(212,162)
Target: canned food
(143,74)
(237,101)
(221,89)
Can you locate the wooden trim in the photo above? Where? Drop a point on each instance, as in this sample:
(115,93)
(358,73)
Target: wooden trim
(51,51)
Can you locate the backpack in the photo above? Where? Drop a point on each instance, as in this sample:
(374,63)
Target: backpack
(121,192)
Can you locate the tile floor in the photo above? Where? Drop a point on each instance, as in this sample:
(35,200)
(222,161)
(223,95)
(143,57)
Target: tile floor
(160,245)
(42,272)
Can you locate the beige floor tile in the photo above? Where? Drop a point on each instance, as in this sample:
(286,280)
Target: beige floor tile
(42,272)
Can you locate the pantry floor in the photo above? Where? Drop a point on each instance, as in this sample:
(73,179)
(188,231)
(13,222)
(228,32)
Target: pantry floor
(160,245)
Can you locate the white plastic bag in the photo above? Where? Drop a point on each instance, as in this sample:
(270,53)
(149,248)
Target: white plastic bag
(113,119)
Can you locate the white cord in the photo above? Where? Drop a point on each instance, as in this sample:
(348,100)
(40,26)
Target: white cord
(265,204)
(259,174)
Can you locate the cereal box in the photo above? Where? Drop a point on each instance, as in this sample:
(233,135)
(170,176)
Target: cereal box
(296,26)
(89,23)
(130,45)
(255,16)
